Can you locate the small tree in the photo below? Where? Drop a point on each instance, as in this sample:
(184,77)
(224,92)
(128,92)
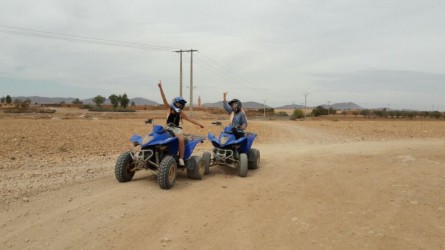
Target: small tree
(99,100)
(435,114)
(114,99)
(319,110)
(17,103)
(3,99)
(26,103)
(77,101)
(8,99)
(411,114)
(298,114)
(365,112)
(124,101)
(132,104)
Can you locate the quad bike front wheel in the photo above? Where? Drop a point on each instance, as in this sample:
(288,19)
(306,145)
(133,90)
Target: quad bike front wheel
(243,165)
(254,158)
(206,157)
(123,167)
(196,167)
(167,172)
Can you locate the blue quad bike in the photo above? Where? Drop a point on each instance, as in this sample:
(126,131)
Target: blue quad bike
(158,152)
(232,152)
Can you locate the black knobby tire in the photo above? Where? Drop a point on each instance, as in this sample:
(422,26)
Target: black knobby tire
(123,166)
(243,165)
(206,156)
(197,169)
(167,172)
(254,158)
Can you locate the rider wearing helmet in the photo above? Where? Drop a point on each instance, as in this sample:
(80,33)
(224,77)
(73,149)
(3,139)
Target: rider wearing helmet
(238,119)
(174,115)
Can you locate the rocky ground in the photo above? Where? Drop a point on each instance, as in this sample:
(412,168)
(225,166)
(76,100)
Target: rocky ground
(322,184)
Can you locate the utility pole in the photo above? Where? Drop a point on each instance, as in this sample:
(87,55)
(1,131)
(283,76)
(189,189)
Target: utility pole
(180,71)
(329,106)
(191,74)
(264,106)
(305,97)
(191,79)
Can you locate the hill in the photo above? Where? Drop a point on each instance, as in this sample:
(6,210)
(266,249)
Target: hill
(338,106)
(291,106)
(247,105)
(143,101)
(68,100)
(344,106)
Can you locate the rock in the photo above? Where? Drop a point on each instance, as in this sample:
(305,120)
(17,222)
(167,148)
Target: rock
(165,240)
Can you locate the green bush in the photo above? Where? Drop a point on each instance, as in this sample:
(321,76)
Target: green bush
(320,110)
(282,113)
(298,114)
(435,114)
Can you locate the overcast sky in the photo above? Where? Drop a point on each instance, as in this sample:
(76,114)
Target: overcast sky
(373,53)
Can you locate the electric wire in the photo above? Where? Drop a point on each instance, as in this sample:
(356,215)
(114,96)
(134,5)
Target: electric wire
(204,61)
(83,39)
(240,79)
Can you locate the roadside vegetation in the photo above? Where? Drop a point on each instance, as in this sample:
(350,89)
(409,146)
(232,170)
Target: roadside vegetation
(121,103)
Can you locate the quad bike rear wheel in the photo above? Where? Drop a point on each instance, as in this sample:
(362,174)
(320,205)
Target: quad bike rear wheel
(243,164)
(123,167)
(254,158)
(196,169)
(167,172)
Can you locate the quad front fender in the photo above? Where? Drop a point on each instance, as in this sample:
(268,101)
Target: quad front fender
(213,139)
(136,139)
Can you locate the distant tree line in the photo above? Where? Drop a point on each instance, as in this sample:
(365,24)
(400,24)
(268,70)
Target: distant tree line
(384,113)
(119,102)
(18,103)
(7,99)
(367,113)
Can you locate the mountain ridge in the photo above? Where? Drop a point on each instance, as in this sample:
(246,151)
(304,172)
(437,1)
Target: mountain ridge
(219,104)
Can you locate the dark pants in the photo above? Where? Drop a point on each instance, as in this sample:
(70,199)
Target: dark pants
(238,134)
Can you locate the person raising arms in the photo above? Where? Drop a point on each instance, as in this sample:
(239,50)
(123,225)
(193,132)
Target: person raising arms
(175,113)
(238,119)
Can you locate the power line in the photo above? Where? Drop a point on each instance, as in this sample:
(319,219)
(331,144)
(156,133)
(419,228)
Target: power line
(233,76)
(214,69)
(75,38)
(211,64)
(239,77)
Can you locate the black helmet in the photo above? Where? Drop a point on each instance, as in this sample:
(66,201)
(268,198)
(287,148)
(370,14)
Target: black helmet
(236,105)
(177,104)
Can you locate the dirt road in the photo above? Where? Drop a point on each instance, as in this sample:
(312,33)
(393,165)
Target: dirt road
(320,185)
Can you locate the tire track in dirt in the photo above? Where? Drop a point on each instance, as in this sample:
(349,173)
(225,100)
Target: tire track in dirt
(313,190)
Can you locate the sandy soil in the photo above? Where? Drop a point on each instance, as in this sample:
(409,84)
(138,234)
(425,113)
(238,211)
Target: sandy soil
(322,184)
